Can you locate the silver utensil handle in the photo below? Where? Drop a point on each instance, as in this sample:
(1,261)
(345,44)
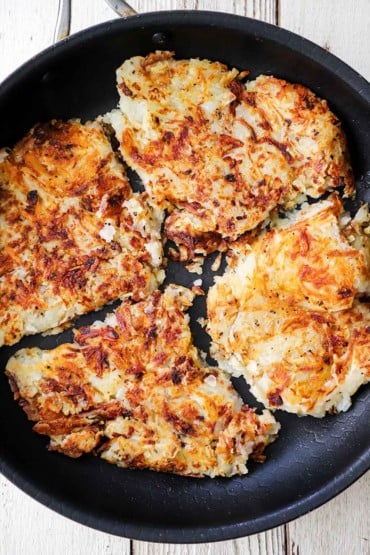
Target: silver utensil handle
(121,7)
(63,24)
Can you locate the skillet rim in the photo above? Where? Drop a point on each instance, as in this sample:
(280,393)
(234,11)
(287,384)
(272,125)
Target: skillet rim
(287,38)
(144,531)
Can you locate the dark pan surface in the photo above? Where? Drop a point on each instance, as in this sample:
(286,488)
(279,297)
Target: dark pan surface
(313,460)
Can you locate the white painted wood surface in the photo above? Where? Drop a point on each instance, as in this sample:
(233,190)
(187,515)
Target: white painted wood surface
(342,526)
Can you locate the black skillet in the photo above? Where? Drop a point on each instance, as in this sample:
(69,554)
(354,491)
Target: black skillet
(313,459)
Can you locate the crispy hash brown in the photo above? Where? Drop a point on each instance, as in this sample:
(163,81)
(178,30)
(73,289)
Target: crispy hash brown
(220,155)
(73,235)
(287,313)
(134,388)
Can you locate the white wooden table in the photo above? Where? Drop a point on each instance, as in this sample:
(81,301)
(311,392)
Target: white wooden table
(342,526)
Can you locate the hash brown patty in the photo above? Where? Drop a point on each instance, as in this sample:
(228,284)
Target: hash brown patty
(73,235)
(219,155)
(292,315)
(134,389)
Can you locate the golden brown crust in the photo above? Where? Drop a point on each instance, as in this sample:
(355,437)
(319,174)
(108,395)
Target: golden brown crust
(220,155)
(135,388)
(69,242)
(301,125)
(287,316)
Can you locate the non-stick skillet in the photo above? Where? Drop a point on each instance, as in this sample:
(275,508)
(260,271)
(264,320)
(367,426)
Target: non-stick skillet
(313,460)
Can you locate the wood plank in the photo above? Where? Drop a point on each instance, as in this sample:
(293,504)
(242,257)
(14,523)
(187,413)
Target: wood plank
(86,14)
(341,526)
(272,542)
(22,37)
(341,26)
(259,9)
(29,527)
(268,543)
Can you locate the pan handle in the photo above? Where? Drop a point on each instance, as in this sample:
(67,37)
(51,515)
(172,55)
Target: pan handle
(121,7)
(63,24)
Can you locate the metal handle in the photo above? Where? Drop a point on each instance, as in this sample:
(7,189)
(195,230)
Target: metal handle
(63,24)
(121,8)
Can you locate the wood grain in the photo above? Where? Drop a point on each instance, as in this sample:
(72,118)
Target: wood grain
(340,26)
(269,543)
(340,527)
(343,525)
(22,37)
(28,528)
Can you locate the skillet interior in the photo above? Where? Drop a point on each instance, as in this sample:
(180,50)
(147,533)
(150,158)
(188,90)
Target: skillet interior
(313,459)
